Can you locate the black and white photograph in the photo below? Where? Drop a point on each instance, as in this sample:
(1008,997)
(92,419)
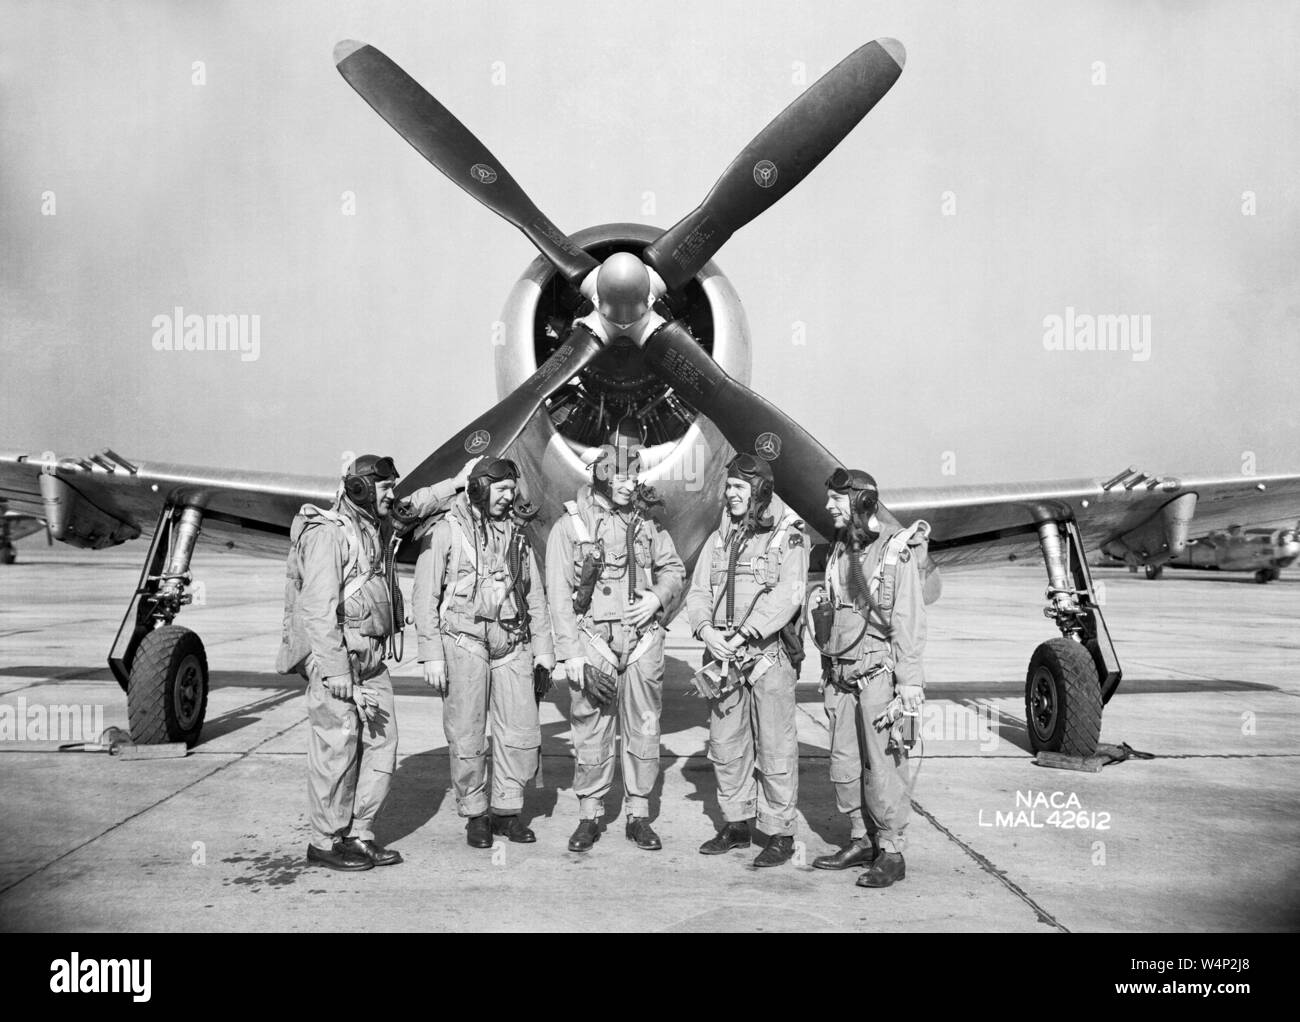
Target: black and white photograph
(626,467)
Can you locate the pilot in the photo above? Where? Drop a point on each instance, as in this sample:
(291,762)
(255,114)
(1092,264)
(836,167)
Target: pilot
(483,628)
(869,625)
(612,573)
(341,606)
(744,603)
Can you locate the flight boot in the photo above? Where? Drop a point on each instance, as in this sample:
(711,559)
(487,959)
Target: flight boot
(377,854)
(888,869)
(733,835)
(586,835)
(338,857)
(478,831)
(513,828)
(778,851)
(640,831)
(855,853)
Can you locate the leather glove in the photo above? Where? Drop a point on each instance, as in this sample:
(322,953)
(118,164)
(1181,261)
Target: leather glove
(367,700)
(600,688)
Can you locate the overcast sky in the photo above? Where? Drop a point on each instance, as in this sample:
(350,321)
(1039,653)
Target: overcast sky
(1097,156)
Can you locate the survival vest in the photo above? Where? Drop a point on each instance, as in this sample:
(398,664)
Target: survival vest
(365,606)
(607,600)
(755,577)
(488,592)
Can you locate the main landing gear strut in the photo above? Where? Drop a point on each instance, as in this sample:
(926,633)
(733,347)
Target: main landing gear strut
(1071,678)
(7,552)
(162,667)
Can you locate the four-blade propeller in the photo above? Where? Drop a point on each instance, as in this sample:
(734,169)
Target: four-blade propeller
(778,158)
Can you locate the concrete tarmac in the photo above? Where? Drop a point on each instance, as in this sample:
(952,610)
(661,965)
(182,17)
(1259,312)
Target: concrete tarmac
(1201,838)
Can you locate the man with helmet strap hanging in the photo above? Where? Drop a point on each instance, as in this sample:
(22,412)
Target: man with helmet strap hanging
(611,575)
(341,605)
(748,586)
(869,625)
(483,627)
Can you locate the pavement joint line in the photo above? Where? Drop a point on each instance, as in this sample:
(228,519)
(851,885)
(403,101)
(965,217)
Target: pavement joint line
(988,867)
(235,758)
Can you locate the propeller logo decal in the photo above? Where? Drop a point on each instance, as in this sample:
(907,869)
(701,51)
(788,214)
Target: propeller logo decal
(765,173)
(477,442)
(767,446)
(483,174)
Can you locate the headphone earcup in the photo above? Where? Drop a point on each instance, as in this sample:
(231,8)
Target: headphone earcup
(357,489)
(474,488)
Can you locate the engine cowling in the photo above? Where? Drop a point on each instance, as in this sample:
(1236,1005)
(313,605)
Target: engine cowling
(617,384)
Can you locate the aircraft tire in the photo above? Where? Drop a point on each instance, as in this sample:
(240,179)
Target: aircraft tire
(1063,699)
(168,695)
(8,554)
(1154,571)
(1264,575)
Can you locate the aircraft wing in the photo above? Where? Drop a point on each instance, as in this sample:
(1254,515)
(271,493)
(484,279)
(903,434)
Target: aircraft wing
(105,499)
(987,524)
(21,524)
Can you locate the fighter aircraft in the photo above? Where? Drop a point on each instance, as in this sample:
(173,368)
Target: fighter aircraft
(626,323)
(1263,551)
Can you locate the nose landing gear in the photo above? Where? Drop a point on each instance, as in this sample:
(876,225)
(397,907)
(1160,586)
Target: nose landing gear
(163,667)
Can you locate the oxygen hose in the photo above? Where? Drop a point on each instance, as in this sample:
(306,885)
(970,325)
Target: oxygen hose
(631,558)
(730,589)
(858,582)
(397,637)
(515,565)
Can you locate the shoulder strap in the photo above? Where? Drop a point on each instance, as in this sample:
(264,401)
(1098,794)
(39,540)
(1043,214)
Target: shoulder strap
(833,569)
(789,521)
(353,577)
(885,577)
(458,550)
(580,530)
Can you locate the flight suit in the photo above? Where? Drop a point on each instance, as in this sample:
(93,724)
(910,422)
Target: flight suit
(866,771)
(337,617)
(754,724)
(466,614)
(653,565)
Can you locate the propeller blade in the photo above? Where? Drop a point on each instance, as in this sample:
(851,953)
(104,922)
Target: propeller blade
(750,422)
(492,433)
(445,142)
(778,158)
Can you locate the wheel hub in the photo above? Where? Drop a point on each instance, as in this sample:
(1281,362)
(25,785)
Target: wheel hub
(187,692)
(1043,704)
